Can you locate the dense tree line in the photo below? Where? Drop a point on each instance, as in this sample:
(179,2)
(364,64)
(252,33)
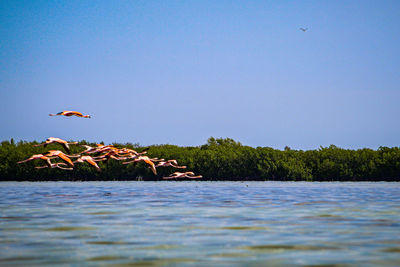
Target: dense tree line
(218,159)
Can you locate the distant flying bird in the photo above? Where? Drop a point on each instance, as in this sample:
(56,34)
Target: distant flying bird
(183,175)
(51,140)
(303,29)
(70,113)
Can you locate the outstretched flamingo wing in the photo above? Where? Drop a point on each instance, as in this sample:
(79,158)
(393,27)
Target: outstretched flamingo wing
(65,146)
(66,159)
(57,114)
(93,163)
(152,166)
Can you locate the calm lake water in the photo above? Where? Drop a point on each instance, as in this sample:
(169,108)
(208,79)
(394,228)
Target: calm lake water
(199,224)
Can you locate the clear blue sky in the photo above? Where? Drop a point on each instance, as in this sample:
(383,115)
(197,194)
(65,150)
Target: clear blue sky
(178,72)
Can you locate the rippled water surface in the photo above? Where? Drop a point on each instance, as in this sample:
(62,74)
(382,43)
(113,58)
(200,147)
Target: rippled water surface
(199,224)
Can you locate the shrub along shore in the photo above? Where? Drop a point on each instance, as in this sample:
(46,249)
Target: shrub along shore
(221,159)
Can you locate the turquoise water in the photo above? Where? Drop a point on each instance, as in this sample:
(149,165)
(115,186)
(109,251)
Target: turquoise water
(199,224)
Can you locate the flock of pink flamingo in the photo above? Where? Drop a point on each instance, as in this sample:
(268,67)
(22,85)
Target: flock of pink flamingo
(92,155)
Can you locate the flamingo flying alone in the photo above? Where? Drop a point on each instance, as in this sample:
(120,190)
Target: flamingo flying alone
(70,113)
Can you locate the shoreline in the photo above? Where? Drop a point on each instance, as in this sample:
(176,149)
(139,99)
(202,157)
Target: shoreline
(217,160)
